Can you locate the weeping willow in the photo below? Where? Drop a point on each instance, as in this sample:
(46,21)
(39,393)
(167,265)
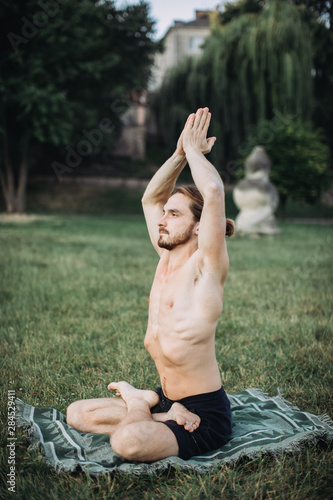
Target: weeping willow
(254,66)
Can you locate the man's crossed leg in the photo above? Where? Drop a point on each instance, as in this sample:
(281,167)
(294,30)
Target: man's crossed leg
(136,434)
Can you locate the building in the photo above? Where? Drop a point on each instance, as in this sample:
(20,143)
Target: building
(182,39)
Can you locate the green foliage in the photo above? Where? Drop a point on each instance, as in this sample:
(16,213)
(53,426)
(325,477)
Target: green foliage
(319,17)
(321,10)
(235,9)
(255,64)
(73,312)
(61,71)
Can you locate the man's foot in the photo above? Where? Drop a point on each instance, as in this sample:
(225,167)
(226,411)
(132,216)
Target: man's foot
(182,416)
(128,392)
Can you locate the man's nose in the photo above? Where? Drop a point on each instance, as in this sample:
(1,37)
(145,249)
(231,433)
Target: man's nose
(162,221)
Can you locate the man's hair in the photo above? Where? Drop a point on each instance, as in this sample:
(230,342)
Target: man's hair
(196,205)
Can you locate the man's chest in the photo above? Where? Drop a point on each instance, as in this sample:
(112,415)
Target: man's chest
(171,292)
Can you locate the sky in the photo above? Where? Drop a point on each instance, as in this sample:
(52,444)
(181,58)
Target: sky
(166,11)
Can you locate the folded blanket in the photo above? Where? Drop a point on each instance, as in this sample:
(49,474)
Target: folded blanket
(261,425)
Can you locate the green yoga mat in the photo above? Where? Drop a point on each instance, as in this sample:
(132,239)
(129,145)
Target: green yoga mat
(261,425)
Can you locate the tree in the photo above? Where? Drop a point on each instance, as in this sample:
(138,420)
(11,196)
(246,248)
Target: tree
(321,10)
(233,10)
(64,67)
(318,14)
(253,66)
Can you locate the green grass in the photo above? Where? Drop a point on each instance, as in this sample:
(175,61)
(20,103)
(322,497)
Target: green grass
(73,295)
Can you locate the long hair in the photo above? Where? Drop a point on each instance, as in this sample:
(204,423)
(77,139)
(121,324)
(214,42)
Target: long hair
(196,205)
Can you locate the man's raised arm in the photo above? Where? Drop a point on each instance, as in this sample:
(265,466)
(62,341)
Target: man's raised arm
(211,241)
(160,189)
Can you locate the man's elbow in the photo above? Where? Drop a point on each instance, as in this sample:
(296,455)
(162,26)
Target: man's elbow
(145,200)
(214,190)
(149,200)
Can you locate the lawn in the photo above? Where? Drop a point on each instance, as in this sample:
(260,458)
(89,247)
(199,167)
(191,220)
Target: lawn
(73,295)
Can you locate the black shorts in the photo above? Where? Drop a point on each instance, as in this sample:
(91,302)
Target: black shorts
(214,430)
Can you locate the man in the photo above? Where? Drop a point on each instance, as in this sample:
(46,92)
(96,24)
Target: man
(190,413)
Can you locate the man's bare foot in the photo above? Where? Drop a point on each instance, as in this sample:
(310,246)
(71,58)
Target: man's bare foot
(128,392)
(181,415)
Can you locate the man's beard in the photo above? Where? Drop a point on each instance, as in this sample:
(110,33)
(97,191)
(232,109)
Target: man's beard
(180,239)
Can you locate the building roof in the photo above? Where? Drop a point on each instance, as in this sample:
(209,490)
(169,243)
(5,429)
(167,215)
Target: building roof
(202,20)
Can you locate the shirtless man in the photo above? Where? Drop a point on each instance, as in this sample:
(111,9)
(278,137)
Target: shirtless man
(190,414)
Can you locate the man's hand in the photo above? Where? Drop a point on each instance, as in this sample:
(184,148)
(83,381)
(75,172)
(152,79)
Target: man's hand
(206,145)
(195,132)
(179,148)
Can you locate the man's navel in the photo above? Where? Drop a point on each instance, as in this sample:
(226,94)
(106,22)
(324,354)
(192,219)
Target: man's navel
(170,303)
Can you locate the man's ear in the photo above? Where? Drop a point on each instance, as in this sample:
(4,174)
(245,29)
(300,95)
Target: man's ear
(197,229)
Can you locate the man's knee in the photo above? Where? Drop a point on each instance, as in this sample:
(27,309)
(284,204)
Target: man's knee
(126,443)
(73,413)
(77,415)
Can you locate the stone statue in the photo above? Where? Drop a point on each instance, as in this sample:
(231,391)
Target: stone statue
(256,197)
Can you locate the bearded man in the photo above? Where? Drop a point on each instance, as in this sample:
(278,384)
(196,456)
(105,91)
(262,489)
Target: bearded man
(190,413)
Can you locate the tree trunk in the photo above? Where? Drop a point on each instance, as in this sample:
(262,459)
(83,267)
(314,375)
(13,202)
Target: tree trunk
(7,179)
(22,182)
(14,192)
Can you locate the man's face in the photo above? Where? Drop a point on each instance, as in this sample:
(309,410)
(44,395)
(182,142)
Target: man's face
(177,225)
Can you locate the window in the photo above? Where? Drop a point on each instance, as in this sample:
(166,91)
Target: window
(195,43)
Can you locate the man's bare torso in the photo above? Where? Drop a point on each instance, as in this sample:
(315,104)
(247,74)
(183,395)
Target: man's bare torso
(184,307)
